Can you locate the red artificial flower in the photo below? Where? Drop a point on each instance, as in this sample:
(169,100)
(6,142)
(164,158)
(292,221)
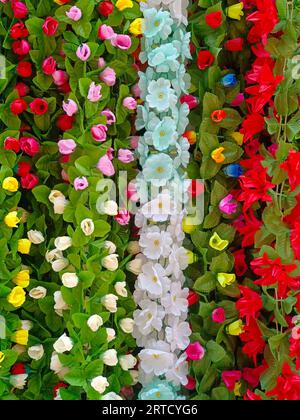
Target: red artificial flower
(39,106)
(19,30)
(18,369)
(249,304)
(191,384)
(253,124)
(22,89)
(205,59)
(65,88)
(274,272)
(250,396)
(18,106)
(255,187)
(57,387)
(29,181)
(192,298)
(292,167)
(218,115)
(295,240)
(190,100)
(230,378)
(23,168)
(252,147)
(240,265)
(50,26)
(297,304)
(235,44)
(252,375)
(287,385)
(24,69)
(265,18)
(29,145)
(253,338)
(19,9)
(295,351)
(21,47)
(105,8)
(64,122)
(49,66)
(11,143)
(248,227)
(214,19)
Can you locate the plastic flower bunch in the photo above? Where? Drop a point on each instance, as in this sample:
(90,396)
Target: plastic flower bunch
(161,329)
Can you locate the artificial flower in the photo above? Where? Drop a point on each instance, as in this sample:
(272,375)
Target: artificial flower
(218,243)
(17,297)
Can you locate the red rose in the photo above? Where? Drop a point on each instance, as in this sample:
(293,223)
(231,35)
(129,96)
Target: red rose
(190,100)
(214,19)
(192,297)
(24,69)
(39,106)
(19,9)
(64,158)
(50,26)
(18,369)
(23,168)
(65,88)
(29,145)
(18,106)
(205,59)
(105,8)
(22,89)
(49,66)
(18,30)
(191,385)
(64,122)
(29,181)
(235,44)
(57,387)
(11,143)
(21,47)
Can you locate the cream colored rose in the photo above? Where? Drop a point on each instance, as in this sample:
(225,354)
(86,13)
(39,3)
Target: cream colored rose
(54,195)
(120,288)
(38,292)
(63,343)
(110,262)
(110,208)
(63,242)
(57,367)
(126,325)
(59,205)
(111,334)
(18,381)
(110,302)
(36,352)
(127,361)
(54,254)
(60,304)
(99,383)
(135,376)
(111,396)
(70,280)
(95,322)
(110,358)
(59,265)
(35,236)
(26,325)
(133,247)
(135,266)
(110,247)
(87,227)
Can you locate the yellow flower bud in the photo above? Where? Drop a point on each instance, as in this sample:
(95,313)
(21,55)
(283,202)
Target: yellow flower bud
(16,297)
(218,243)
(235,328)
(237,389)
(124,4)
(235,11)
(135,27)
(24,246)
(20,337)
(10,184)
(11,219)
(2,357)
(238,137)
(217,155)
(192,258)
(226,279)
(22,278)
(188,226)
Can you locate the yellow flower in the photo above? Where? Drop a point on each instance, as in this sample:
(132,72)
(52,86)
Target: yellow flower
(235,328)
(22,278)
(191,256)
(235,11)
(11,219)
(217,155)
(188,226)
(20,337)
(124,4)
(16,297)
(218,243)
(2,357)
(226,279)
(237,389)
(238,137)
(24,246)
(135,27)
(10,184)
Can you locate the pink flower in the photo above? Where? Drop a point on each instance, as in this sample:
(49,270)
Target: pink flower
(49,66)
(60,77)
(101,62)
(29,145)
(108,76)
(129,103)
(110,153)
(83,52)
(110,116)
(125,156)
(74,13)
(238,100)
(80,183)
(134,142)
(66,146)
(70,107)
(227,206)
(218,315)
(230,377)
(121,41)
(190,100)
(106,32)
(99,132)
(132,193)
(123,217)
(94,94)
(195,351)
(105,166)
(136,91)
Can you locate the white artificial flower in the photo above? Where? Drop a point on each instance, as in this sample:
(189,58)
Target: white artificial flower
(111,396)
(54,254)
(178,261)
(35,236)
(155,243)
(120,288)
(70,280)
(110,357)
(177,334)
(127,361)
(133,247)
(153,279)
(110,208)
(87,227)
(175,226)
(57,367)
(95,322)
(18,381)
(60,264)
(60,304)
(99,383)
(110,247)
(111,334)
(38,292)
(63,242)
(26,325)
(135,266)
(149,317)
(175,302)
(36,352)
(54,195)
(110,262)
(63,343)
(126,325)
(156,359)
(109,301)
(180,369)
(159,209)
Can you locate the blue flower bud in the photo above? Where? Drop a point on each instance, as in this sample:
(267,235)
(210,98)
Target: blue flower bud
(229,80)
(234,170)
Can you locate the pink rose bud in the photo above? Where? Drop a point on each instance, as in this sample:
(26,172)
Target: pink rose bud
(134,142)
(105,166)
(230,377)
(49,66)
(94,94)
(60,77)
(218,315)
(125,156)
(110,153)
(121,41)
(66,147)
(101,62)
(74,13)
(105,32)
(190,100)
(195,351)
(108,76)
(70,107)
(132,193)
(80,183)
(123,217)
(83,52)
(110,116)
(136,91)
(99,132)
(129,103)
(238,100)
(228,206)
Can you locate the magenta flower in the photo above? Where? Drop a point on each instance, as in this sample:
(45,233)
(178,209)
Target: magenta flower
(60,77)
(195,351)
(218,315)
(110,116)
(129,103)
(125,155)
(99,132)
(108,76)
(66,146)
(227,206)
(83,52)
(94,94)
(123,217)
(121,41)
(106,32)
(70,107)
(80,183)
